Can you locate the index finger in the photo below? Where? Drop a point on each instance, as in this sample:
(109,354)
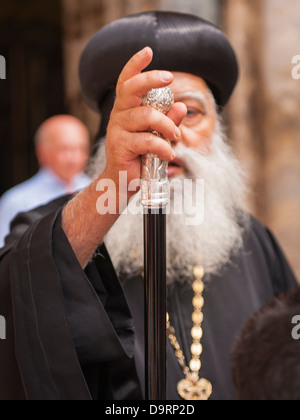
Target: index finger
(136,65)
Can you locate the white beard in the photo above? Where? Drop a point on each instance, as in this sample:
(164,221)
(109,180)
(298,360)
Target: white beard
(212,243)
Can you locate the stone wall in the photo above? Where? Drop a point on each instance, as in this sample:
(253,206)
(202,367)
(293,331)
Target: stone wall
(281,130)
(80,21)
(243,25)
(264,112)
(210,10)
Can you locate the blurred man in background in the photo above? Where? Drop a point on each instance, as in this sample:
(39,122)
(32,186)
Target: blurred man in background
(62,150)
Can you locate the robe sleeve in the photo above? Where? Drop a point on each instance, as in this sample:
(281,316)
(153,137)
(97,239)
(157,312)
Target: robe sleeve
(97,312)
(56,318)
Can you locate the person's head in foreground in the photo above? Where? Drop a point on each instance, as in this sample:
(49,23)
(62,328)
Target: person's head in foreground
(205,72)
(266,355)
(62,145)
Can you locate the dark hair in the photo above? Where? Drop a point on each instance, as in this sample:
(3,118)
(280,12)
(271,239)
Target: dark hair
(266,358)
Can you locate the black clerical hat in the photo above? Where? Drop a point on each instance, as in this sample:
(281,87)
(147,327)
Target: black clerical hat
(180,42)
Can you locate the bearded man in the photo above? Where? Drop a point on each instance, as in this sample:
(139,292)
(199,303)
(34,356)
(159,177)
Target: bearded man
(74,310)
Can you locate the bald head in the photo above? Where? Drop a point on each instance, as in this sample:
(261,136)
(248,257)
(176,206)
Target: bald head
(62,145)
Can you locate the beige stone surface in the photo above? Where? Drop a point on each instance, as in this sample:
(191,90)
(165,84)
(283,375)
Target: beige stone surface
(264,112)
(243,25)
(281,130)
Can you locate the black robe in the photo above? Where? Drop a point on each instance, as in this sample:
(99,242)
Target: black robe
(74,334)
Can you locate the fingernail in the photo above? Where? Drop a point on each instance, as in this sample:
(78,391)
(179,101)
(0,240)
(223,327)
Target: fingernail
(177,133)
(143,52)
(166,76)
(173,155)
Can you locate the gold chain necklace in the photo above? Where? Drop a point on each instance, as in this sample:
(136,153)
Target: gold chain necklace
(192,387)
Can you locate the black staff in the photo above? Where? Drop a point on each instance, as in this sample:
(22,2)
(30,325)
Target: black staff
(155,197)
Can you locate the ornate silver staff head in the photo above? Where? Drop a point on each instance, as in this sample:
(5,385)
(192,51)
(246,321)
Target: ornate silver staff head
(161,99)
(154,171)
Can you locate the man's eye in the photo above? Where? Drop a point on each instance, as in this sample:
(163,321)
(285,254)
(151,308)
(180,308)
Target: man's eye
(194,112)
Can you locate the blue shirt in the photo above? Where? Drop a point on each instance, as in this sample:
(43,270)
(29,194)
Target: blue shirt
(42,188)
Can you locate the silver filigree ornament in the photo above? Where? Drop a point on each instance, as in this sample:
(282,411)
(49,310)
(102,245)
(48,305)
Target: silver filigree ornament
(160,99)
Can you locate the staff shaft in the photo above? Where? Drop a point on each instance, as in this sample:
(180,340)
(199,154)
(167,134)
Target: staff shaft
(155,304)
